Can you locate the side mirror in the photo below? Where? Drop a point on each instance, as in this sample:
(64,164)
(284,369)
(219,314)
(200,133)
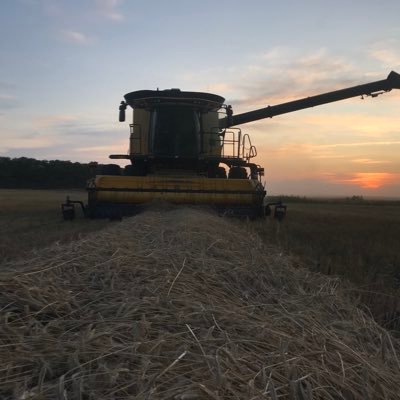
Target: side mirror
(122,109)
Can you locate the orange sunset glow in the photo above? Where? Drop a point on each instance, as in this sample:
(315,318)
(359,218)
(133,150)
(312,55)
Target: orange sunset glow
(338,149)
(370,180)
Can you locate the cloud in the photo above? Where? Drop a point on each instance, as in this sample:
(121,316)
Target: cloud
(219,87)
(6,86)
(118,148)
(8,102)
(363,122)
(65,135)
(387,53)
(387,57)
(108,9)
(281,74)
(359,144)
(66,9)
(76,37)
(293,78)
(60,144)
(67,125)
(13,142)
(284,73)
(47,121)
(49,8)
(368,161)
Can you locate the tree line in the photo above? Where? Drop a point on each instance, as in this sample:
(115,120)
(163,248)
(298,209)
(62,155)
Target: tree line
(30,173)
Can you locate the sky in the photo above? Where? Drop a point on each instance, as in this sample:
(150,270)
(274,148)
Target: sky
(66,64)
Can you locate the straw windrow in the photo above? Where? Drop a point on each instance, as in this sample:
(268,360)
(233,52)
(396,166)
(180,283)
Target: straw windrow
(182,304)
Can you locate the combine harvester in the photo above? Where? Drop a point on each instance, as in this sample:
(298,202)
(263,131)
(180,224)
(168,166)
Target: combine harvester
(185,148)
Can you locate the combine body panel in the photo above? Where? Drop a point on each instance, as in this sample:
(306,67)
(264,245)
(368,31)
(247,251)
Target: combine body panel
(184,148)
(212,140)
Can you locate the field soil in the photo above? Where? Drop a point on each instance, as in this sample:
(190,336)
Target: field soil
(31,219)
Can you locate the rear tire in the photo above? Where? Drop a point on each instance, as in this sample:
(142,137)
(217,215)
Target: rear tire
(108,169)
(221,173)
(68,213)
(135,170)
(237,173)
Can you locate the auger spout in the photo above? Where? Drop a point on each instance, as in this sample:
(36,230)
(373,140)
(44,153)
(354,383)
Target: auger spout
(394,80)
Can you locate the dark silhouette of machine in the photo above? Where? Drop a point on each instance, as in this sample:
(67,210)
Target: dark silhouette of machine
(185,148)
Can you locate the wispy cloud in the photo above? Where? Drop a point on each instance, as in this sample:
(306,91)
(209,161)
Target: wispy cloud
(49,8)
(219,87)
(371,127)
(387,53)
(109,9)
(121,148)
(368,161)
(63,137)
(284,73)
(53,121)
(284,80)
(8,102)
(6,86)
(13,142)
(387,56)
(359,144)
(67,125)
(76,37)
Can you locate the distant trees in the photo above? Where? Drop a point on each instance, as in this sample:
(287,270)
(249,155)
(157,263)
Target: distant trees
(30,173)
(355,199)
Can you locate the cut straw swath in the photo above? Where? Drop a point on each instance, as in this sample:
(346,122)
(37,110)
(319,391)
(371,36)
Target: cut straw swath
(181,304)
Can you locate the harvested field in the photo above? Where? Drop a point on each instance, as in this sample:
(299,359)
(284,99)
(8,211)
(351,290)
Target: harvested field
(182,304)
(31,219)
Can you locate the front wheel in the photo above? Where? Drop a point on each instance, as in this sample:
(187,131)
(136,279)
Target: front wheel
(237,173)
(108,169)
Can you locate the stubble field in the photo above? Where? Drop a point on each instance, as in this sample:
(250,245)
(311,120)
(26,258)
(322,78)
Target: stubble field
(179,303)
(358,241)
(31,219)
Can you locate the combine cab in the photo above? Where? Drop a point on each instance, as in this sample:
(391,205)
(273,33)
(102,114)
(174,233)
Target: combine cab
(185,148)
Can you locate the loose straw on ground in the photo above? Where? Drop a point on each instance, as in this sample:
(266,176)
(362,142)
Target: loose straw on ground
(115,317)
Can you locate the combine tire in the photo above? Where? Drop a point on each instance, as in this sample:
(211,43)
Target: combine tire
(68,212)
(216,172)
(237,173)
(135,170)
(221,173)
